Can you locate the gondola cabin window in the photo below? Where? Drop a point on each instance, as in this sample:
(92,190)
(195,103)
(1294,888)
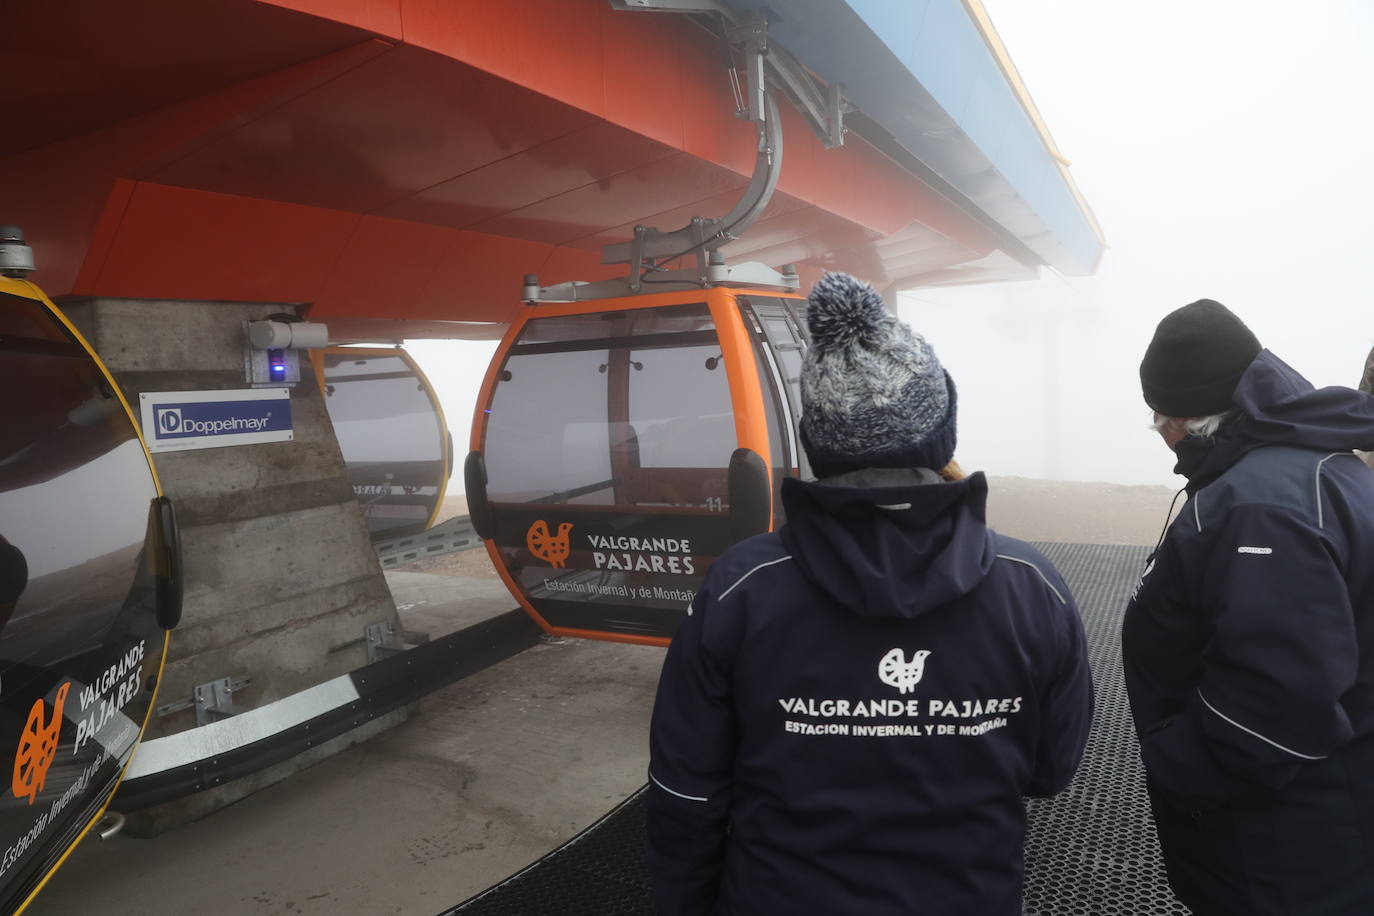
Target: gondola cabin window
(74,494)
(391,436)
(628,408)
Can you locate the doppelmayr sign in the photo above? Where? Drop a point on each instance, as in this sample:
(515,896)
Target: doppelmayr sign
(179,420)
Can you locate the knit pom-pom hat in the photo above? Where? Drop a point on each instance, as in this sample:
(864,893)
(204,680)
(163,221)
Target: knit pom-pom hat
(874,395)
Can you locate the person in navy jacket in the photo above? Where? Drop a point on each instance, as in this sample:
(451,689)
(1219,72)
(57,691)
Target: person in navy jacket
(850,714)
(1249,644)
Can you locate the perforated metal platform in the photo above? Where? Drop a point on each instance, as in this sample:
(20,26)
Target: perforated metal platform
(1090,851)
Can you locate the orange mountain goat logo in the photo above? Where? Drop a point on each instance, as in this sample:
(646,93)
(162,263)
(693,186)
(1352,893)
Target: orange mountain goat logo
(553,549)
(38,746)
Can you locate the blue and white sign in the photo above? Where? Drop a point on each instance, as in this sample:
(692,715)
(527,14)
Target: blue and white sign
(178,420)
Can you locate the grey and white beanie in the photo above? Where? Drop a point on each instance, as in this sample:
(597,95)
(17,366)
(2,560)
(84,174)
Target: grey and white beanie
(874,395)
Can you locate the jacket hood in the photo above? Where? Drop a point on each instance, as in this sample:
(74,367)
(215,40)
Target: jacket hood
(1279,407)
(891,551)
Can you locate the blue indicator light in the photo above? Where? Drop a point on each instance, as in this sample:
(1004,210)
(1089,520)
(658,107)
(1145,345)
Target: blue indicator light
(276,366)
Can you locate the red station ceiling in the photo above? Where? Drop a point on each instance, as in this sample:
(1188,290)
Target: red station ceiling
(411,159)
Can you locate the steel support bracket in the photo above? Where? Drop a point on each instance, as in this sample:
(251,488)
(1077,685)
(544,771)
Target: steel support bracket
(750,274)
(837,106)
(823,107)
(637,257)
(382,642)
(212,701)
(753,35)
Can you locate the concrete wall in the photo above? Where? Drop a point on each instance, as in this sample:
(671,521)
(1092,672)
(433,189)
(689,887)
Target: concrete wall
(281,578)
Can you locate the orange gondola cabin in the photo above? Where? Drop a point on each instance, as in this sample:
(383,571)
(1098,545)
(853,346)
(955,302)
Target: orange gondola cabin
(621,445)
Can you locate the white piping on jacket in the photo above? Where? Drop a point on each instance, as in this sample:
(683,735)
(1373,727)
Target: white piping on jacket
(1316,488)
(750,573)
(1044,578)
(1317,483)
(1250,731)
(696,798)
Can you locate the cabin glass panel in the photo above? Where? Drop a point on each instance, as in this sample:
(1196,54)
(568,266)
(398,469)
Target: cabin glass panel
(78,631)
(391,439)
(607,444)
(780,343)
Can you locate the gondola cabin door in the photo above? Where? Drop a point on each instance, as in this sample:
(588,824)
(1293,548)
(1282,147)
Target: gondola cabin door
(621,445)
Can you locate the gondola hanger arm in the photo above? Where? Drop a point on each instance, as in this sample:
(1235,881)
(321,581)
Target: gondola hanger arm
(763,65)
(822,105)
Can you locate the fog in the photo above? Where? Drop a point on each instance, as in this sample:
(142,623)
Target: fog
(1226,149)
(455,369)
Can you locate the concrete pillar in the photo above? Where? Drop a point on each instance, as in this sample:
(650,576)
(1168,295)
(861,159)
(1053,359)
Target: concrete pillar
(281,579)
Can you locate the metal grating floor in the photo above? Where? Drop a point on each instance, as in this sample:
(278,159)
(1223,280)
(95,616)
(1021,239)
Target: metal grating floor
(1090,851)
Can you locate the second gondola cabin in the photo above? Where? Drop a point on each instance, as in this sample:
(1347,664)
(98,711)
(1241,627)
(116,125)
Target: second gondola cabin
(620,445)
(392,434)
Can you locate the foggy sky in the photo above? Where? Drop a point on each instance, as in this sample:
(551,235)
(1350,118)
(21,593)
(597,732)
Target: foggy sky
(1226,150)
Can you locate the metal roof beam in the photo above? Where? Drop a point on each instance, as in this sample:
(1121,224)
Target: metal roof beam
(822,106)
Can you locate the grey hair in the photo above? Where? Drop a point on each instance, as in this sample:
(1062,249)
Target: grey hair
(1202,427)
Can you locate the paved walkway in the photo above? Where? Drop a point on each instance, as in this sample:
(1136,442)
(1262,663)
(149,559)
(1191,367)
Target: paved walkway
(490,774)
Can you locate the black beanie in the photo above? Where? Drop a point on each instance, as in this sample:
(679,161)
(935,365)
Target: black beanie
(1197,356)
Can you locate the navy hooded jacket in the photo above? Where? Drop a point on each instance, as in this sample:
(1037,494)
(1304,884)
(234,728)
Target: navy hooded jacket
(1249,656)
(849,716)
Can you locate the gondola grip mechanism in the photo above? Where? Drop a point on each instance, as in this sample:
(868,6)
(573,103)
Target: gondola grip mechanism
(745,275)
(16,257)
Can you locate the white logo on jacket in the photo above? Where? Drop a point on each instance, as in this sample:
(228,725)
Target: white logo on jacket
(895,671)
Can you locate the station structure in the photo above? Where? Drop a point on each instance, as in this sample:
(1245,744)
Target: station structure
(401,169)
